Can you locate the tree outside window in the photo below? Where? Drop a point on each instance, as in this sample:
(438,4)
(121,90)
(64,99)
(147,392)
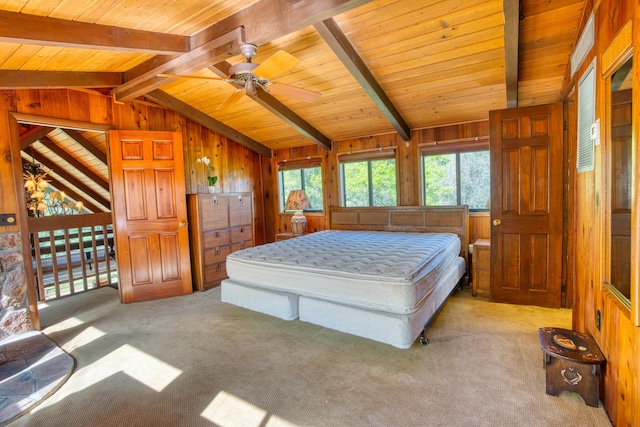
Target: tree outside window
(457,179)
(307,179)
(369,183)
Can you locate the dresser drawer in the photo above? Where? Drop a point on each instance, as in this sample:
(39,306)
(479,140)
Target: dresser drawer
(242,233)
(241,245)
(216,255)
(215,273)
(215,238)
(214,212)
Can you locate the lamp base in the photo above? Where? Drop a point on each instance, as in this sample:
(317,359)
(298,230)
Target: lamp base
(298,223)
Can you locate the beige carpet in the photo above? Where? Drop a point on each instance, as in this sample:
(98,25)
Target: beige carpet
(194,361)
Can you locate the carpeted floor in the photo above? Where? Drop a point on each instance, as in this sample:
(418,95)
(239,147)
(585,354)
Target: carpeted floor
(195,361)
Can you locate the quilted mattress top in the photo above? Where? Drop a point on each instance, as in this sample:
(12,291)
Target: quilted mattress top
(391,271)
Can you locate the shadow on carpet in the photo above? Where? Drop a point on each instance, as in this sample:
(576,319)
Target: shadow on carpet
(32,367)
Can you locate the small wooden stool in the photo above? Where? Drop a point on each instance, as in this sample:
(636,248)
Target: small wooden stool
(572,361)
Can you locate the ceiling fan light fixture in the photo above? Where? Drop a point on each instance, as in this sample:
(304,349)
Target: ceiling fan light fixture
(243,67)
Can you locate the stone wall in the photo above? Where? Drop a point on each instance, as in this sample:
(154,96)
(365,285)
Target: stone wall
(14,306)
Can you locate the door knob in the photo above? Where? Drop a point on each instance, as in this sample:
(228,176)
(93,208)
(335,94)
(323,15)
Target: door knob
(183,223)
(497,222)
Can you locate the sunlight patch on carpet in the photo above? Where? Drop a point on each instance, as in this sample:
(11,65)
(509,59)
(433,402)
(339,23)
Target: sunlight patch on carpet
(144,368)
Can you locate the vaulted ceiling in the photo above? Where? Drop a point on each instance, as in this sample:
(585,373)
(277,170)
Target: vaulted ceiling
(380,65)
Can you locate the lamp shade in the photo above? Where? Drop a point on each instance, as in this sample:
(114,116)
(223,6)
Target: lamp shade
(297,201)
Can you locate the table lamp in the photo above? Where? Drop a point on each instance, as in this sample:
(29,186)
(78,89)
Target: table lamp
(298,201)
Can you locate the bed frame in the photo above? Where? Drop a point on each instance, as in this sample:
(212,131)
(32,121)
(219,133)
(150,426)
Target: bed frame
(399,330)
(421,219)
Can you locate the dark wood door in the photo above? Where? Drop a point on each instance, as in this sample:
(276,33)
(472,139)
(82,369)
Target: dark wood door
(150,214)
(526,205)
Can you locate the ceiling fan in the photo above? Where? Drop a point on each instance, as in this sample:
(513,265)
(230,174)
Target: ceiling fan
(248,77)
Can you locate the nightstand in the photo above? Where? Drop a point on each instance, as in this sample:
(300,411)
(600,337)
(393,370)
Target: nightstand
(285,236)
(481,284)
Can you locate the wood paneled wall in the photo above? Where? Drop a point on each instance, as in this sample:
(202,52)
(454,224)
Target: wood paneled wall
(407,166)
(617,336)
(238,168)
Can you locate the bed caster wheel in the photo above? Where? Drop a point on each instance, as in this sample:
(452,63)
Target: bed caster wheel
(423,340)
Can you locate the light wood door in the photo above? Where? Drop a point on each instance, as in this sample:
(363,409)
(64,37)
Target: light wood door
(150,214)
(526,205)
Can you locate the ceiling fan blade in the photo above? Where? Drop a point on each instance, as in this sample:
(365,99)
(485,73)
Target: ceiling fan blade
(231,99)
(179,76)
(276,64)
(293,92)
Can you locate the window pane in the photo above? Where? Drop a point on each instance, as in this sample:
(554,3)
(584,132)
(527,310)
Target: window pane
(475,184)
(440,180)
(383,176)
(312,185)
(291,180)
(369,183)
(356,184)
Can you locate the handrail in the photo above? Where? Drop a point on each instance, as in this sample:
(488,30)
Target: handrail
(63,262)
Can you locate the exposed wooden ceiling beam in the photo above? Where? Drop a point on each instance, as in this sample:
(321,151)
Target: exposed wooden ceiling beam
(261,22)
(209,122)
(276,107)
(77,136)
(335,38)
(41,30)
(283,112)
(75,163)
(34,134)
(267,20)
(22,79)
(87,203)
(144,78)
(56,171)
(511,37)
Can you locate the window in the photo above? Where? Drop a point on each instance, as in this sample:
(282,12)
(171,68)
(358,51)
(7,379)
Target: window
(369,182)
(296,177)
(457,179)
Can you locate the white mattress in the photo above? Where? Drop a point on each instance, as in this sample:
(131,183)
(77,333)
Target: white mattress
(385,271)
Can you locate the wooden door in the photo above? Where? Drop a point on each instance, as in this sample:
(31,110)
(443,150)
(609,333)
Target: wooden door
(150,214)
(526,205)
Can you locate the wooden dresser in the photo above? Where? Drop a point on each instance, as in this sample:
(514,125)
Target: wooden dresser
(219,224)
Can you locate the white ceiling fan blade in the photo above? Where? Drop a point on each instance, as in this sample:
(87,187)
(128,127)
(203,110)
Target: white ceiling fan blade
(293,92)
(276,64)
(231,99)
(179,76)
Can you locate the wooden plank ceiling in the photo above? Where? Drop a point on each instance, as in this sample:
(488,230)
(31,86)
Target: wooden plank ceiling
(381,65)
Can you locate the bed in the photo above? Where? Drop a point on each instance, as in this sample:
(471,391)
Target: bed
(378,273)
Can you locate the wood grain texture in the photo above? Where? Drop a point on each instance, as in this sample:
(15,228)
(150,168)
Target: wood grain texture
(618,338)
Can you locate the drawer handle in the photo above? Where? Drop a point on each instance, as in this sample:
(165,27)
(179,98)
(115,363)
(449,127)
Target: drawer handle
(214,201)
(242,229)
(242,245)
(240,200)
(217,250)
(217,234)
(218,267)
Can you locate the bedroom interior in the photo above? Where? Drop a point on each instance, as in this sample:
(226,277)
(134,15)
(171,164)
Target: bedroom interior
(341,82)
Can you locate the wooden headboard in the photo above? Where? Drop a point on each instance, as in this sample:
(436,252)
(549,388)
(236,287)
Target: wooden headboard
(424,219)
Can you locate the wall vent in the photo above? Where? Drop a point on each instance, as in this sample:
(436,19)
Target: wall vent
(586,119)
(585,43)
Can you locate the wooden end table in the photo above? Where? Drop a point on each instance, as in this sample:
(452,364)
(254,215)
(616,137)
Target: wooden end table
(285,236)
(572,361)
